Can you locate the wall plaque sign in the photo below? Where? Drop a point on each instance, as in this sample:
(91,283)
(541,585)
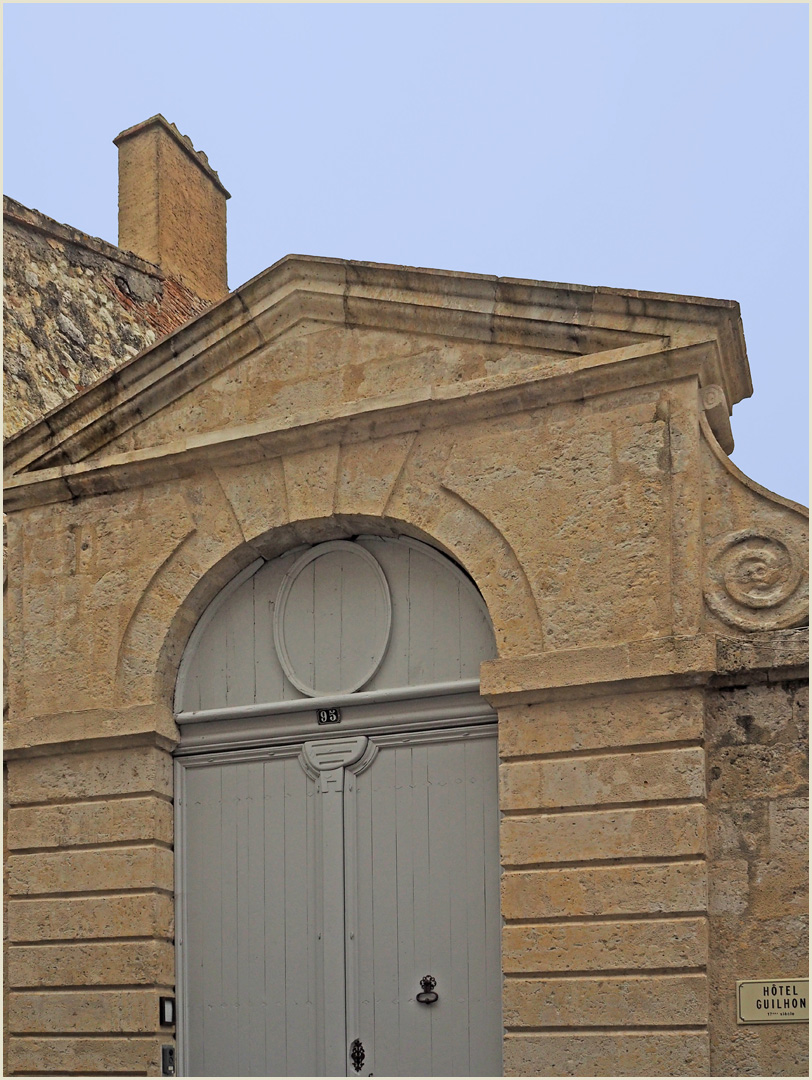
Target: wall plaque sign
(777,1001)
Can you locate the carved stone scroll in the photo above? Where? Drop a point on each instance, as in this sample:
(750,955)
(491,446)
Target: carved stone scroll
(755,580)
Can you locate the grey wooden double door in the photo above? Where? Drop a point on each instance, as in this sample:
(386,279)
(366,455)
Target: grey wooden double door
(323,881)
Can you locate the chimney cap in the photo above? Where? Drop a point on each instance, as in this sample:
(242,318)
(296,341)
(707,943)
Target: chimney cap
(184,141)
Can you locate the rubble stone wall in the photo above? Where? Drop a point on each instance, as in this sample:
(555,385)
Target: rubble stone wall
(75,308)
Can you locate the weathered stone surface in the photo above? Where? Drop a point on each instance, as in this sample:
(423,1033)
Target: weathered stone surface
(604,890)
(757,742)
(522,678)
(68,825)
(630,1053)
(310,483)
(88,1056)
(138,769)
(116,726)
(603,779)
(654,1000)
(758,844)
(75,308)
(106,870)
(79,964)
(603,834)
(605,946)
(130,1012)
(138,915)
(558,727)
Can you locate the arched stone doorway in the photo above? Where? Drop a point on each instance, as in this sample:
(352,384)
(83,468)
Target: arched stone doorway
(337,824)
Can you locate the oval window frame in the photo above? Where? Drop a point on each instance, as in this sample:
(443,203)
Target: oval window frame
(280,609)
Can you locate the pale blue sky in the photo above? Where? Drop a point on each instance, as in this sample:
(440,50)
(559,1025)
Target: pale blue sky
(643,146)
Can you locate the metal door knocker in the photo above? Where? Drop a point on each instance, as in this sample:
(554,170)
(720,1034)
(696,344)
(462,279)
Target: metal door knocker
(428,997)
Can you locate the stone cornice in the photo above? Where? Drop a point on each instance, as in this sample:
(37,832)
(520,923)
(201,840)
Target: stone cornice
(575,321)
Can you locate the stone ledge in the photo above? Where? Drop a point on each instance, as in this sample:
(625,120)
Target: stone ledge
(781,651)
(93,729)
(671,661)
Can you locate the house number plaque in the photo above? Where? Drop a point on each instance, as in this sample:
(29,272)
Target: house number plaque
(329,716)
(776,1001)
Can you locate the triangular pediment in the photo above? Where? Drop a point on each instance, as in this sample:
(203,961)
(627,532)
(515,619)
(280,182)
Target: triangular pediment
(314,344)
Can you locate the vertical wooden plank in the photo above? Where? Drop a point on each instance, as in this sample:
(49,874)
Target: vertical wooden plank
(271,684)
(447,628)
(299,1026)
(363,943)
(456,1015)
(211,666)
(251,921)
(196,854)
(440,860)
(394,560)
(237,616)
(209,941)
(421,641)
(478,758)
(492,1056)
(384,928)
(360,606)
(274,916)
(408,1058)
(328,571)
(300,624)
(424,958)
(229,991)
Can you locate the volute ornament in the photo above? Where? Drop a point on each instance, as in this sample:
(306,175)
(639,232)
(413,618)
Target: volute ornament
(755,580)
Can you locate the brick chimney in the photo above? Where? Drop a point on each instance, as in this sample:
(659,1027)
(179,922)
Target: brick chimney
(172,206)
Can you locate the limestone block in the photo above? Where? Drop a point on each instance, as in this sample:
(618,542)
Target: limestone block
(367,473)
(737,829)
(257,496)
(139,915)
(603,834)
(129,1012)
(728,887)
(595,549)
(310,483)
(654,1000)
(147,818)
(85,1056)
(132,770)
(525,675)
(614,720)
(603,779)
(105,870)
(605,946)
(788,827)
(779,886)
(80,964)
(24,732)
(627,1053)
(604,890)
(748,948)
(757,741)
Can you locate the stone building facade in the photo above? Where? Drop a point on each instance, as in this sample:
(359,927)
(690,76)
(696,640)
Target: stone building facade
(561,448)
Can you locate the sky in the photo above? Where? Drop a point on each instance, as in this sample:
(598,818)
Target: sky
(659,147)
